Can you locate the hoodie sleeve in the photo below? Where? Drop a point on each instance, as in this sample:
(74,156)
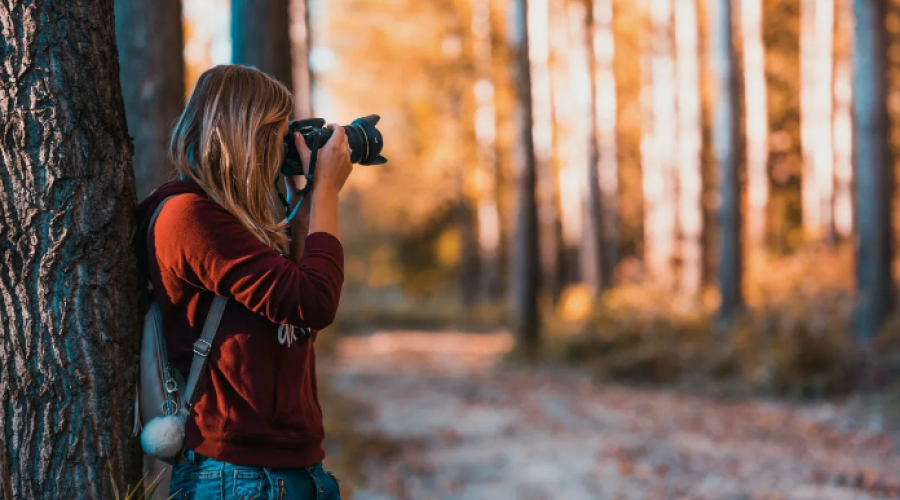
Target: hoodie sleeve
(206,246)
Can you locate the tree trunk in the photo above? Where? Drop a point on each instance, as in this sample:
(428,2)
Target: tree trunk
(817,55)
(260,33)
(726,142)
(602,197)
(152,74)
(690,171)
(70,288)
(543,133)
(526,256)
(872,168)
(756,122)
(843,120)
(488,212)
(659,150)
(301,40)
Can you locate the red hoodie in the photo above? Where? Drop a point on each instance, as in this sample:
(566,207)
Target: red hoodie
(258,404)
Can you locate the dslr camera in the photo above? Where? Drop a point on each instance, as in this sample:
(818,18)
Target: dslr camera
(365,143)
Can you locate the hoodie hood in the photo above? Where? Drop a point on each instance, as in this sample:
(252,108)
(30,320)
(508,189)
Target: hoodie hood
(146,208)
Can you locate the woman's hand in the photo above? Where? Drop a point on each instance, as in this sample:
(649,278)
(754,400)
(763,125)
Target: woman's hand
(333,165)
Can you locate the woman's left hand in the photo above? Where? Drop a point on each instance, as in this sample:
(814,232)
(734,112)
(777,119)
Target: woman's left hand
(298,182)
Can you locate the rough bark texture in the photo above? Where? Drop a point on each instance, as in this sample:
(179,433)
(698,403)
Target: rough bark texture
(526,260)
(152,74)
(260,32)
(872,170)
(726,141)
(69,288)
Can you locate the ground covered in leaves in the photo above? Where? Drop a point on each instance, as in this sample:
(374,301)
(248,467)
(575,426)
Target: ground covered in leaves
(440,416)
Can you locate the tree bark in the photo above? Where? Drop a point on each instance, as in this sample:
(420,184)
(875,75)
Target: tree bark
(526,256)
(69,286)
(152,74)
(260,32)
(872,170)
(726,143)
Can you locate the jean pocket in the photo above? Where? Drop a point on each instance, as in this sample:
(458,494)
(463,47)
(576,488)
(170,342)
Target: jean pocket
(193,482)
(337,483)
(249,484)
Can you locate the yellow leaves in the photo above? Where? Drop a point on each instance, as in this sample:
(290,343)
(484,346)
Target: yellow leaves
(449,247)
(576,304)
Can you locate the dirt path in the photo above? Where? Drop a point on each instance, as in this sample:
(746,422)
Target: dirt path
(453,424)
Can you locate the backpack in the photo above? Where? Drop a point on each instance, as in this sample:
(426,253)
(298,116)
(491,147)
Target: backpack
(164,398)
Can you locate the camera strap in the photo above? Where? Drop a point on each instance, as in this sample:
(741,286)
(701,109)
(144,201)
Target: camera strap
(303,193)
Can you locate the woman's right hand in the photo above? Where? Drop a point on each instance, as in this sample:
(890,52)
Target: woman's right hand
(333,164)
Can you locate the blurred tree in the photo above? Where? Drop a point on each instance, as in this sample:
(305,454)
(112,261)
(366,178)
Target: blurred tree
(70,290)
(726,143)
(843,121)
(485,128)
(872,170)
(260,35)
(659,147)
(602,202)
(544,138)
(526,259)
(690,136)
(756,122)
(601,192)
(816,101)
(301,42)
(151,66)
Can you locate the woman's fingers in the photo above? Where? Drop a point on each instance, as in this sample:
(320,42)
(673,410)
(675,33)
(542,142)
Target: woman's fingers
(303,149)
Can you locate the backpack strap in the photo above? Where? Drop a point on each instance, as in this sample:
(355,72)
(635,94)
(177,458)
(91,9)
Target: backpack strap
(203,345)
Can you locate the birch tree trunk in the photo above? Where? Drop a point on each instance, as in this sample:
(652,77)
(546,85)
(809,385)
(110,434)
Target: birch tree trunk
(690,175)
(526,255)
(151,64)
(726,141)
(301,41)
(658,148)
(260,33)
(843,121)
(69,284)
(872,170)
(756,122)
(602,196)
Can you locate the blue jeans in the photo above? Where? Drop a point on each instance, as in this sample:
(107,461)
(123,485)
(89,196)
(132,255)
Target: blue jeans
(203,478)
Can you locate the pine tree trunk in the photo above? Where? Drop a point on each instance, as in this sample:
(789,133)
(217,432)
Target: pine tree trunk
(70,287)
(260,32)
(526,256)
(726,142)
(151,65)
(757,122)
(872,170)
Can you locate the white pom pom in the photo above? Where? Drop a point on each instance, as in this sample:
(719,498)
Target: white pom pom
(163,437)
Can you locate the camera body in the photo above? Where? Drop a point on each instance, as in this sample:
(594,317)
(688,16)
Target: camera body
(365,142)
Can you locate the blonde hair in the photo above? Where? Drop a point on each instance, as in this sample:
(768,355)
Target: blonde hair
(227,141)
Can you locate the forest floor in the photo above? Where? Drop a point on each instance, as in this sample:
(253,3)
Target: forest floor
(441,416)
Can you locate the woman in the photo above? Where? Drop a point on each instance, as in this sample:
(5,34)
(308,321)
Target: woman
(255,430)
